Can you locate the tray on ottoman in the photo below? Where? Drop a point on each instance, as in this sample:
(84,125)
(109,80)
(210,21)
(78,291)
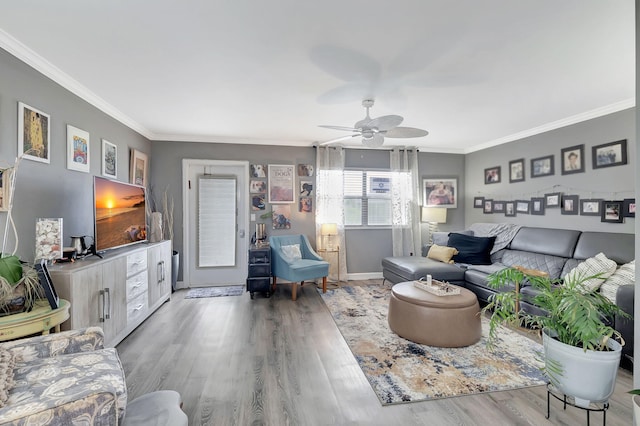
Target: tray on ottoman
(439,288)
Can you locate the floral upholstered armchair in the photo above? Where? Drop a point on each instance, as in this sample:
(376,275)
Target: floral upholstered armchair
(61,379)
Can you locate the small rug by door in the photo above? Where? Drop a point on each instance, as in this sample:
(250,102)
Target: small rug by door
(402,371)
(200,292)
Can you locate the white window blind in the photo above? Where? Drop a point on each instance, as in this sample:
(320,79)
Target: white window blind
(367,198)
(217,221)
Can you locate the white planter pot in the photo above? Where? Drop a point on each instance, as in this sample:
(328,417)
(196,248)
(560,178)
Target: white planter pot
(587,376)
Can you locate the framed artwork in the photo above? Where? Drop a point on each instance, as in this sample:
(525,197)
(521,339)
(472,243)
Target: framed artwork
(306,188)
(629,207)
(257,202)
(47,284)
(282,214)
(522,206)
(77,149)
(257,186)
(569,204)
(109,159)
(378,185)
(542,166)
(609,154)
(440,192)
(516,170)
(305,205)
(488,206)
(138,168)
(537,206)
(305,170)
(552,200)
(510,208)
(611,212)
(48,239)
(498,207)
(281,184)
(258,170)
(34,133)
(492,175)
(572,159)
(590,207)
(478,202)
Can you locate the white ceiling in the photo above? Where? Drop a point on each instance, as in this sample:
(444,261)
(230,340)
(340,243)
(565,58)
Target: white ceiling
(474,73)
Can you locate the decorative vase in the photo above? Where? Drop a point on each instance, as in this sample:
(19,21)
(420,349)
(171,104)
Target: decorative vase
(156,227)
(175,264)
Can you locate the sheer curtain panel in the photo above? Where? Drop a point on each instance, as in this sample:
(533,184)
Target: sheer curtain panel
(405,202)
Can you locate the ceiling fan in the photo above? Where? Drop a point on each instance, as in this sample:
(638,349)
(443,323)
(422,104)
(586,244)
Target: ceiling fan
(374,130)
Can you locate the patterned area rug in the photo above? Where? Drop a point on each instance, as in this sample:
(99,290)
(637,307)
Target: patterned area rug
(403,371)
(232,290)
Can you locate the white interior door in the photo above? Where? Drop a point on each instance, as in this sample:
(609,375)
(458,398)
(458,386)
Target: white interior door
(216,220)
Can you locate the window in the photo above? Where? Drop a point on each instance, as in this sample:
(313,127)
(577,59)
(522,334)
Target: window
(367,198)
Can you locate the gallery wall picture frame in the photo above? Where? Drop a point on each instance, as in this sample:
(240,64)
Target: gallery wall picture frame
(572,159)
(138,168)
(492,175)
(498,207)
(510,208)
(78,146)
(281,177)
(305,205)
(34,133)
(488,206)
(440,192)
(590,206)
(258,170)
(257,186)
(281,216)
(523,206)
(611,211)
(109,159)
(629,207)
(569,205)
(542,166)
(537,206)
(552,200)
(306,188)
(257,202)
(609,154)
(478,202)
(47,284)
(516,170)
(305,170)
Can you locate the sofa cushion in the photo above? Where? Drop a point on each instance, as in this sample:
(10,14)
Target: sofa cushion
(616,246)
(599,264)
(414,267)
(624,275)
(472,250)
(6,375)
(441,238)
(542,262)
(442,253)
(553,242)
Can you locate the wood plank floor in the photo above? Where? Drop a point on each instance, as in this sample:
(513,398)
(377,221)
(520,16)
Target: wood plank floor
(272,361)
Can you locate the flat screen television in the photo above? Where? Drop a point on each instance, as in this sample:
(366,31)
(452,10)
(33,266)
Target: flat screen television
(120,214)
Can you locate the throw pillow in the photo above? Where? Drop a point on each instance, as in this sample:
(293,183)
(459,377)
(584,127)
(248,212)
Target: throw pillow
(441,253)
(6,375)
(599,264)
(440,238)
(291,253)
(624,275)
(472,250)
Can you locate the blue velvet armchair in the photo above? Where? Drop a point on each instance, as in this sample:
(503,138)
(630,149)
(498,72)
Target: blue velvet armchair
(293,259)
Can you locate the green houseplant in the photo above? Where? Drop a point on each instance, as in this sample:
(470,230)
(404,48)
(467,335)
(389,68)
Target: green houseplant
(19,286)
(575,323)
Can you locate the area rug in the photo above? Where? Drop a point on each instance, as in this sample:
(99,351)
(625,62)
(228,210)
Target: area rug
(402,371)
(200,292)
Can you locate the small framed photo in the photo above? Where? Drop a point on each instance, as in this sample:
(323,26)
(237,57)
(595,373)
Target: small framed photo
(440,192)
(305,170)
(542,166)
(47,284)
(492,175)
(77,149)
(257,186)
(609,154)
(629,207)
(109,159)
(258,170)
(611,212)
(510,208)
(488,206)
(34,133)
(522,206)
(572,159)
(305,205)
(537,206)
(569,204)
(478,202)
(516,170)
(306,188)
(257,202)
(552,200)
(590,206)
(498,207)
(281,177)
(138,168)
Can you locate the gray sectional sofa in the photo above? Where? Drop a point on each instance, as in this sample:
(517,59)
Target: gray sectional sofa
(555,251)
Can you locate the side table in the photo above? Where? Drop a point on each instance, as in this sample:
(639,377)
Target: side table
(325,254)
(41,319)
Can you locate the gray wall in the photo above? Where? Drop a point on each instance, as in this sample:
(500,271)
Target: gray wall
(611,183)
(50,190)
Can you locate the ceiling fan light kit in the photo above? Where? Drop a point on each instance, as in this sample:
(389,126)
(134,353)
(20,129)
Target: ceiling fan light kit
(373,131)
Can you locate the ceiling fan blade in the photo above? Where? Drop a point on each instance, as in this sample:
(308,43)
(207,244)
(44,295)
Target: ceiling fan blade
(338,139)
(406,132)
(386,122)
(374,142)
(348,129)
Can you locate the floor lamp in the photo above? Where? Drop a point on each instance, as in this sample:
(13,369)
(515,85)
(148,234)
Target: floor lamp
(434,216)
(328,230)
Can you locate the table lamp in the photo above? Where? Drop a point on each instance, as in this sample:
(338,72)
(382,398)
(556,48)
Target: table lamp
(434,216)
(328,230)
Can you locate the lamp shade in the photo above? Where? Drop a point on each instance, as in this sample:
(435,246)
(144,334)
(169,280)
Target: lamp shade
(329,229)
(434,214)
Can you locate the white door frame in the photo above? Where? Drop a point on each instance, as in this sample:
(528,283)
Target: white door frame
(243,217)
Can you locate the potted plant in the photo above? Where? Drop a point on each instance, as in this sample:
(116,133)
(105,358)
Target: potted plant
(19,286)
(581,349)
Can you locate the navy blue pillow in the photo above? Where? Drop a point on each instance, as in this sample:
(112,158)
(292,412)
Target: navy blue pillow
(472,250)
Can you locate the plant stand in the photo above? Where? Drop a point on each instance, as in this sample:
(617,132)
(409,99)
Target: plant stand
(600,407)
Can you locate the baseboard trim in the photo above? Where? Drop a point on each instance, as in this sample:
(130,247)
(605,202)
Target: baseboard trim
(365,276)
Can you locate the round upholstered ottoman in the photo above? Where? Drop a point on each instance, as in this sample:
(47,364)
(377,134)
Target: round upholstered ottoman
(445,321)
